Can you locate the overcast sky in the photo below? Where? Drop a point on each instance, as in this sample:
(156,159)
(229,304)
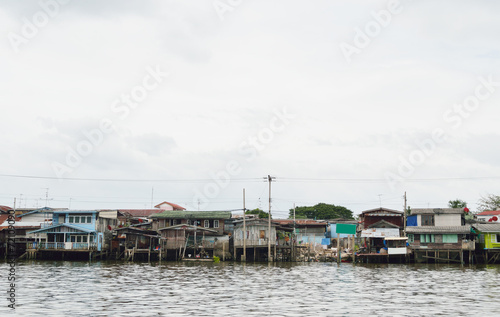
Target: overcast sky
(344,102)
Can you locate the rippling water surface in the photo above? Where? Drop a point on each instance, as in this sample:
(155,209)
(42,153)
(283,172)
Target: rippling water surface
(236,289)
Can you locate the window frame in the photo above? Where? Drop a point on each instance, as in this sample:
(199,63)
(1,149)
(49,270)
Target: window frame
(424,219)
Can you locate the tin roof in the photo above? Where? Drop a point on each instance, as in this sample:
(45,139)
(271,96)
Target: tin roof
(183,214)
(42,210)
(188,227)
(487,227)
(423,211)
(140,212)
(4,209)
(440,229)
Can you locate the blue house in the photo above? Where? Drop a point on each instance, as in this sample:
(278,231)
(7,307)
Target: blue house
(71,230)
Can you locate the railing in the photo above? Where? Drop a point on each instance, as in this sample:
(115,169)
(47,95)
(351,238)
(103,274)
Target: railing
(61,245)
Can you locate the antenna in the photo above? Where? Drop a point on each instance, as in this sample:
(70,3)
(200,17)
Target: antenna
(46,196)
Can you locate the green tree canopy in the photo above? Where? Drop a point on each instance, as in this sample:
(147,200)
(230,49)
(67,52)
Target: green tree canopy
(321,211)
(490,202)
(457,203)
(261,213)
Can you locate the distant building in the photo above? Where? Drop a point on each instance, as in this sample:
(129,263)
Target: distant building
(489,216)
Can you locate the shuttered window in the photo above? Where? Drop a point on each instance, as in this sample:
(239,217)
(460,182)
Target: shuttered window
(450,238)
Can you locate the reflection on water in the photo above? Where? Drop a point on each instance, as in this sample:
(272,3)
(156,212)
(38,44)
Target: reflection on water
(236,289)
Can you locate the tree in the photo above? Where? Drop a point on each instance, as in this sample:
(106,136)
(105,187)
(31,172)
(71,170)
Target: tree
(321,211)
(261,213)
(490,202)
(457,203)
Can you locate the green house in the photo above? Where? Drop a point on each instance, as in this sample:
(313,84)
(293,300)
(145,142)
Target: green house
(489,235)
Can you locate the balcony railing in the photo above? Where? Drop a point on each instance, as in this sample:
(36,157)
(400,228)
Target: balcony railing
(62,245)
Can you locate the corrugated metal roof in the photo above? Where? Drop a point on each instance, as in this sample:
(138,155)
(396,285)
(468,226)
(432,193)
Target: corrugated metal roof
(5,208)
(140,212)
(41,210)
(437,211)
(183,214)
(487,227)
(441,229)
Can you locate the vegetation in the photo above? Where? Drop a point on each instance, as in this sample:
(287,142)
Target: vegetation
(321,211)
(457,203)
(490,202)
(261,213)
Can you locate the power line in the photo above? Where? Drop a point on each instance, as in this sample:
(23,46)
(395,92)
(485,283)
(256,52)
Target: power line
(201,180)
(383,180)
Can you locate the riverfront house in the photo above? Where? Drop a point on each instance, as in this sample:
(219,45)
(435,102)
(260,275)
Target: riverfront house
(439,234)
(489,241)
(378,224)
(71,230)
(489,216)
(194,233)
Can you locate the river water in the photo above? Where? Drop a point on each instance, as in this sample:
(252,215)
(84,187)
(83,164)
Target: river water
(235,289)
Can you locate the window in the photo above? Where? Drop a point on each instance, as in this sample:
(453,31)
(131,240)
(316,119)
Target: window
(84,239)
(427,220)
(77,219)
(450,238)
(427,238)
(189,222)
(216,223)
(89,219)
(411,238)
(71,219)
(174,222)
(495,238)
(206,224)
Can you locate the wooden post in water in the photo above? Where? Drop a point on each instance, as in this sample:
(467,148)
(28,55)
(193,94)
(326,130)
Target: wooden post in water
(244,256)
(223,251)
(338,247)
(353,249)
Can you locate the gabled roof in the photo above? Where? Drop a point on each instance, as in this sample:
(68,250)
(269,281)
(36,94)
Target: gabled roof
(41,210)
(381,212)
(175,206)
(183,214)
(188,227)
(381,223)
(489,213)
(440,229)
(64,225)
(437,211)
(487,227)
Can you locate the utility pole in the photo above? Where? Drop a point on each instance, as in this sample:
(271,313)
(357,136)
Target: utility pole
(152,195)
(294,235)
(404,219)
(244,256)
(269,179)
